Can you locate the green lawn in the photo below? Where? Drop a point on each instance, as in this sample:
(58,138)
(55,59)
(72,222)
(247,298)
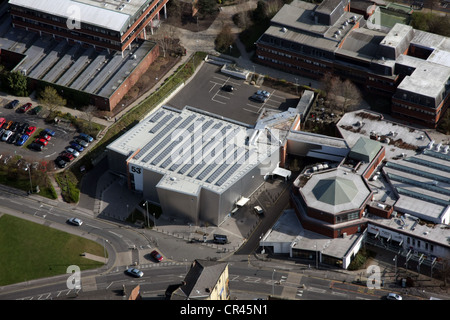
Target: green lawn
(31,251)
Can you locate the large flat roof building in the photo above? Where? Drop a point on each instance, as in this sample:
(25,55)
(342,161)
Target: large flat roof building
(108,25)
(194,164)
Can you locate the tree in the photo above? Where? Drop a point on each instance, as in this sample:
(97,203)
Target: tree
(206,6)
(50,99)
(224,39)
(17,83)
(343,95)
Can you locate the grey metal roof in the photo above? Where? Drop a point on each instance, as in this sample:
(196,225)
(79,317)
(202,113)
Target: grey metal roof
(191,146)
(365,149)
(335,190)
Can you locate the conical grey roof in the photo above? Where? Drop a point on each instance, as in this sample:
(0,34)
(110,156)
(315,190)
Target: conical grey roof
(335,190)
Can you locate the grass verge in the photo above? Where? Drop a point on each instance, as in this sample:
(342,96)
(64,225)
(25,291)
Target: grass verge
(32,251)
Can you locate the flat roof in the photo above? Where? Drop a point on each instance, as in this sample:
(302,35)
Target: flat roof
(288,229)
(194,148)
(113,15)
(402,139)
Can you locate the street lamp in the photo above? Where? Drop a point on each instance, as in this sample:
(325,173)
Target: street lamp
(395,259)
(273,284)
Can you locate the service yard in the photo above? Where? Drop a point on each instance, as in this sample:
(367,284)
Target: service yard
(205,91)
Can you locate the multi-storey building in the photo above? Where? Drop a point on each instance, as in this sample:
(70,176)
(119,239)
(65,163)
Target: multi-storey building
(408,66)
(110,25)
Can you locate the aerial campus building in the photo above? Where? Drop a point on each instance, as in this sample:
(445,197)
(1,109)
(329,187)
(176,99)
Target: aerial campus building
(410,67)
(90,50)
(197,166)
(391,190)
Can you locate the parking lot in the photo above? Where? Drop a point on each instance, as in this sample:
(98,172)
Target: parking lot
(205,92)
(63,134)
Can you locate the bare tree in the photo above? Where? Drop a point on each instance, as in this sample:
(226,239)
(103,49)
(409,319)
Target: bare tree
(50,99)
(166,39)
(343,95)
(89,114)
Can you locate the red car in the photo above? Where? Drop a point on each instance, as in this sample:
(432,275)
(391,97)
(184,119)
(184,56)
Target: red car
(41,141)
(156,255)
(67,156)
(25,107)
(30,131)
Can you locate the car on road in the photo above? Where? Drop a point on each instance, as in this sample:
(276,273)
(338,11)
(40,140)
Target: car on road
(263,93)
(86,137)
(22,139)
(81,142)
(156,255)
(30,130)
(258,98)
(73,151)
(12,104)
(228,88)
(258,210)
(394,296)
(25,107)
(75,221)
(6,135)
(60,162)
(135,272)
(76,146)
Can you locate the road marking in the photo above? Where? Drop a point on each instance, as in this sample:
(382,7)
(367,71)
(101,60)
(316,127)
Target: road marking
(318,290)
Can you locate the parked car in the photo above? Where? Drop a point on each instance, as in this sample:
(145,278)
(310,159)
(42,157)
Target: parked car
(23,138)
(7,124)
(30,130)
(82,143)
(14,137)
(36,110)
(25,107)
(41,141)
(263,93)
(23,127)
(135,272)
(258,210)
(45,136)
(6,135)
(66,156)
(76,146)
(60,162)
(86,137)
(2,121)
(156,255)
(75,221)
(49,132)
(12,104)
(258,98)
(228,88)
(14,126)
(73,151)
(36,146)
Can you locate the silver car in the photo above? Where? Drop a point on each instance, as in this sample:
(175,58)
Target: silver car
(135,272)
(73,151)
(75,221)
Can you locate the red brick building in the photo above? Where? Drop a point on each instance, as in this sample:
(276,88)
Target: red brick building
(408,66)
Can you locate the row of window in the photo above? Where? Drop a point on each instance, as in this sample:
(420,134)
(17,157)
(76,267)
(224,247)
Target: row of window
(404,106)
(293,67)
(420,244)
(293,57)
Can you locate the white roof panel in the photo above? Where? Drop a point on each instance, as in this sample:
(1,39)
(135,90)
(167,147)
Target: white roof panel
(89,14)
